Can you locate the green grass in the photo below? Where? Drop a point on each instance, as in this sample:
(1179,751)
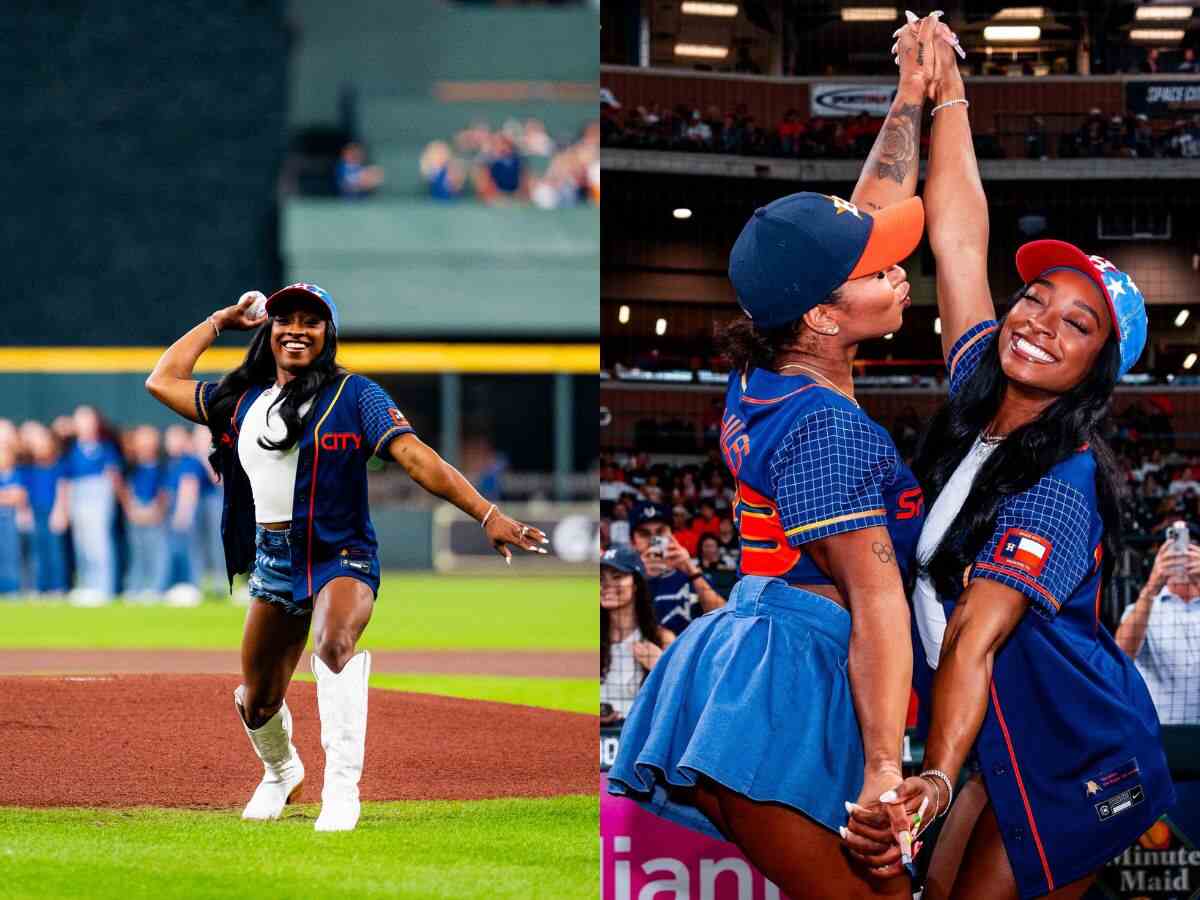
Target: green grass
(569,694)
(526,848)
(427,612)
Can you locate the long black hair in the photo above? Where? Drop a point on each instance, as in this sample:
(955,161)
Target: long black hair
(258,367)
(643,611)
(747,346)
(1022,458)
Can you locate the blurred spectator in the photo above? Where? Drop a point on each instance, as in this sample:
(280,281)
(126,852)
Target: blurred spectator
(45,480)
(720,577)
(1144,143)
(1161,631)
(354,178)
(445,175)
(631,641)
(1035,138)
(1188,63)
(144,502)
(681,529)
(1184,482)
(1151,65)
(500,174)
(183,476)
(14,506)
(677,585)
(731,544)
(94,468)
(208,539)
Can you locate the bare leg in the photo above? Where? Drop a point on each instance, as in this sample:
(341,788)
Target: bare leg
(985,873)
(340,613)
(801,857)
(952,841)
(272,642)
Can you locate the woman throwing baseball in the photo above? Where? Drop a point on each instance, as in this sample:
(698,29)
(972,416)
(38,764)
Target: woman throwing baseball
(1031,694)
(293,433)
(764,716)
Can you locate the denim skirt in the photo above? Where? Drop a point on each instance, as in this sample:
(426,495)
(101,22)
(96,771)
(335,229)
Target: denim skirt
(755,696)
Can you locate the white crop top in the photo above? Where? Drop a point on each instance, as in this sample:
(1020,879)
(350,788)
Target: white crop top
(272,473)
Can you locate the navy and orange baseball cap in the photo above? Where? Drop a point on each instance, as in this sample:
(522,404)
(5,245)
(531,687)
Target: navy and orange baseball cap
(795,251)
(312,292)
(1126,304)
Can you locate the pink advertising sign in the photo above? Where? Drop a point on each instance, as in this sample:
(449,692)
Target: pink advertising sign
(643,857)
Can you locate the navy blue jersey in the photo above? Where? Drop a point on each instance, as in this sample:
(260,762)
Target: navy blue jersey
(352,420)
(1070,748)
(810,464)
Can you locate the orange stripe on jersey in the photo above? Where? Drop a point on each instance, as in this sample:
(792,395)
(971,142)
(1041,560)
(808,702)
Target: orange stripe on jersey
(236,407)
(1021,577)
(963,349)
(1037,838)
(770,400)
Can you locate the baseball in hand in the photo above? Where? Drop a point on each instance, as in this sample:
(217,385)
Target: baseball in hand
(258,308)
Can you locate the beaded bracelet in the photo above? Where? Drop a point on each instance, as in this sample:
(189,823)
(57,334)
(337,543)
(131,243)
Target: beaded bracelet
(965,103)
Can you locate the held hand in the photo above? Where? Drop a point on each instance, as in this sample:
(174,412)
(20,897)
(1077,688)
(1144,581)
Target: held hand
(503,531)
(241,316)
(945,69)
(914,54)
(878,833)
(678,558)
(1193,562)
(1166,563)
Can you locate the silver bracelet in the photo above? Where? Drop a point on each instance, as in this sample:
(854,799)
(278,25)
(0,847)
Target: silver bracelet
(487,515)
(938,773)
(213,323)
(965,103)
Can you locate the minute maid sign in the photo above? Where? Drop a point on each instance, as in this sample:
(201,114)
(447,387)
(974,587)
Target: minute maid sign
(1161,865)
(828,99)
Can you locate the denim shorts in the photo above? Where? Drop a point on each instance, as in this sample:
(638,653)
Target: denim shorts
(271,577)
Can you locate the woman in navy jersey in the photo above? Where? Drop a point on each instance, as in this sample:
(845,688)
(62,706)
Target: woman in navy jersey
(1032,698)
(760,721)
(293,433)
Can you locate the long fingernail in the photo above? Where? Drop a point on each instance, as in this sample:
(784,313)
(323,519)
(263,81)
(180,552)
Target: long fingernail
(924,806)
(937,13)
(962,54)
(912,17)
(917,847)
(896,33)
(842,831)
(508,560)
(889,797)
(545,540)
(540,550)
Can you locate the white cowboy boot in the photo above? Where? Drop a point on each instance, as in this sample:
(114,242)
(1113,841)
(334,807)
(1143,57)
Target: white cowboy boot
(342,700)
(283,773)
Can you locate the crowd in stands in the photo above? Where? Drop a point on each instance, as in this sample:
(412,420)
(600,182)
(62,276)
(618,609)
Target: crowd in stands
(516,163)
(90,514)
(736,131)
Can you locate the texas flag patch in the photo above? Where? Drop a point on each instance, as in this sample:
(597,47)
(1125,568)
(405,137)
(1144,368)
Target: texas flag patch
(1023,550)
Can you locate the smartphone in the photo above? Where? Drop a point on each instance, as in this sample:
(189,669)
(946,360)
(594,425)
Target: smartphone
(659,545)
(1178,537)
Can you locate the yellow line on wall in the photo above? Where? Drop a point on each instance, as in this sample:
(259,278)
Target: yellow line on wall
(581,359)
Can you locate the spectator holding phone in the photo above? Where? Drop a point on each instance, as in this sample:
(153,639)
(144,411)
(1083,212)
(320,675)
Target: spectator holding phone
(630,640)
(1161,630)
(677,585)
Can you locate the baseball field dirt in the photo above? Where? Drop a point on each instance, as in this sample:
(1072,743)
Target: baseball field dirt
(175,741)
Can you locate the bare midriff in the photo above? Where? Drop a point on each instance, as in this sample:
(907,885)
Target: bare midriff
(276,526)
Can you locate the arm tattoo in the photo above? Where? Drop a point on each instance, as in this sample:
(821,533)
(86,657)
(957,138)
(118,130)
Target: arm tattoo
(897,144)
(920,54)
(882,552)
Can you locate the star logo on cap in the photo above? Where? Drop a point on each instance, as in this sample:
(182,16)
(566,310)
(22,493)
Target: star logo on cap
(1116,287)
(1102,264)
(845,206)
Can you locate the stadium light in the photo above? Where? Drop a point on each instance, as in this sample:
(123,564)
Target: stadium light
(660,327)
(937,325)
(1012,33)
(723,10)
(682,213)
(1189,360)
(889,335)
(701,51)
(869,13)
(623,314)
(1181,318)
(1021,12)
(1162,13)
(1156,34)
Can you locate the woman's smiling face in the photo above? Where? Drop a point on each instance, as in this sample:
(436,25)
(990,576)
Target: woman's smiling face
(297,335)
(1054,333)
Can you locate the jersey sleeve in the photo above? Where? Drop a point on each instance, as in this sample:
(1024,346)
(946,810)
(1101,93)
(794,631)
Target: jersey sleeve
(1040,545)
(827,475)
(967,351)
(204,394)
(382,422)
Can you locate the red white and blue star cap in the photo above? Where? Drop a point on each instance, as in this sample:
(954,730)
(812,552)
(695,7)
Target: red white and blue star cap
(311,291)
(1126,304)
